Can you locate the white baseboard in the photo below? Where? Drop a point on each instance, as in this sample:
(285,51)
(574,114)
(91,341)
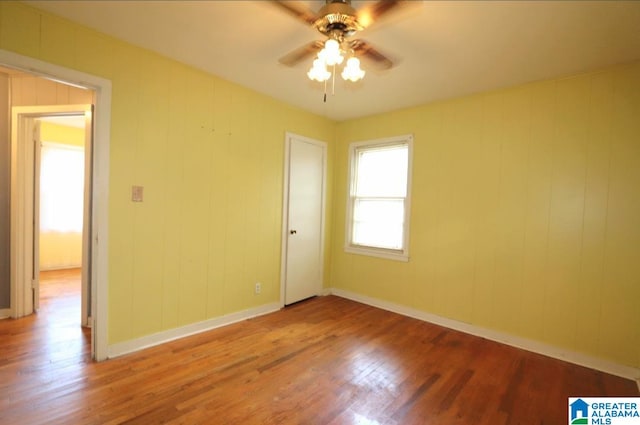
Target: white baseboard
(5,313)
(612,368)
(50,268)
(147,341)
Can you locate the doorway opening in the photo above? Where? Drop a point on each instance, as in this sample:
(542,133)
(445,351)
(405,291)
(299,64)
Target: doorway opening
(51,205)
(63,171)
(95,240)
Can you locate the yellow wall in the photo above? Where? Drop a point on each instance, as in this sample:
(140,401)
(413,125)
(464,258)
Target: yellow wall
(525,212)
(56,133)
(59,250)
(209,154)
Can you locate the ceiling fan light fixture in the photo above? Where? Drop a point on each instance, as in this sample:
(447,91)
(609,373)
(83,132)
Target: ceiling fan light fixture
(352,71)
(331,54)
(338,21)
(318,71)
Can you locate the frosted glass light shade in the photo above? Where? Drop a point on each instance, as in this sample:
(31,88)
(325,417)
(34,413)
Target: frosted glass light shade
(318,71)
(331,54)
(352,70)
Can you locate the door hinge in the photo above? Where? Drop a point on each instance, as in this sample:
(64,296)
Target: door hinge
(33,284)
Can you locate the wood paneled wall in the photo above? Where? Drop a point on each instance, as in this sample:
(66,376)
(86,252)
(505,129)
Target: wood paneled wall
(209,155)
(28,90)
(525,212)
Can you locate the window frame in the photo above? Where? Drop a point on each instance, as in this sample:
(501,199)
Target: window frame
(387,253)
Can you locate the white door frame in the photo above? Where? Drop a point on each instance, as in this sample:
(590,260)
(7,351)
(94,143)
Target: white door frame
(100,184)
(285,208)
(25,164)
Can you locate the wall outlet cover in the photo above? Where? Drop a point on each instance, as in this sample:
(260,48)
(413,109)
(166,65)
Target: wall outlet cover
(137,193)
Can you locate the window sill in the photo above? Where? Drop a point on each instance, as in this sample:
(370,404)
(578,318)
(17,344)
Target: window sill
(387,254)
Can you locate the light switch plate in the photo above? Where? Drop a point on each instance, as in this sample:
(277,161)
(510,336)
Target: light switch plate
(136,193)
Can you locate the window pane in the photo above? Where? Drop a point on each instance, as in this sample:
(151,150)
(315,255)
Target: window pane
(382,172)
(379,198)
(61,189)
(378,223)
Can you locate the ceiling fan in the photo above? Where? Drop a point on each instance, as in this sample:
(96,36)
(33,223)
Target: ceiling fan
(338,21)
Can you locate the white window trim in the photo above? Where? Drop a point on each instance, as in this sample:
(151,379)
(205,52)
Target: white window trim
(390,254)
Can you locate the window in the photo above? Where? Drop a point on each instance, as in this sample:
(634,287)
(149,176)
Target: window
(61,188)
(378,204)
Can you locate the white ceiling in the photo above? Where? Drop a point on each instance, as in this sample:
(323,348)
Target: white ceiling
(443,49)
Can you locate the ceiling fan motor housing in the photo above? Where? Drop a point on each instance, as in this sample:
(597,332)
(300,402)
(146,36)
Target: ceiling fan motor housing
(337,18)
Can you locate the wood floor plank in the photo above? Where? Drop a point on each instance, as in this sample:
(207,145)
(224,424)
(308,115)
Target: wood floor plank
(323,361)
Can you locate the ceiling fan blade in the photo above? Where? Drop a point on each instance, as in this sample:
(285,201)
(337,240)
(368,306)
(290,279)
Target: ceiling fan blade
(292,58)
(364,49)
(305,15)
(369,14)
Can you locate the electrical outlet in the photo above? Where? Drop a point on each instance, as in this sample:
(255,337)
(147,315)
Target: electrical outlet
(258,287)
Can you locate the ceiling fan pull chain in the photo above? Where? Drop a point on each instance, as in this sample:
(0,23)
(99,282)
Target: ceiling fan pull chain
(325,91)
(333,81)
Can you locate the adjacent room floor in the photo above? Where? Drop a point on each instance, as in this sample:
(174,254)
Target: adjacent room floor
(323,361)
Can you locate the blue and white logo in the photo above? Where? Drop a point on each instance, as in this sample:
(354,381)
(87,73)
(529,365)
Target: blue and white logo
(579,412)
(604,410)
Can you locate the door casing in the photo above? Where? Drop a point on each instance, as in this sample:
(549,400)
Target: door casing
(99,185)
(25,197)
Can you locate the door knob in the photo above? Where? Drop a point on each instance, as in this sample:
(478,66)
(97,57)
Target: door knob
(293,232)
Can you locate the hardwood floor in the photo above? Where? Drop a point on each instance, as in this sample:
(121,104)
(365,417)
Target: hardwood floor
(323,361)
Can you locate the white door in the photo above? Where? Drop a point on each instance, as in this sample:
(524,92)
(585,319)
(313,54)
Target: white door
(304,224)
(37,149)
(85,307)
